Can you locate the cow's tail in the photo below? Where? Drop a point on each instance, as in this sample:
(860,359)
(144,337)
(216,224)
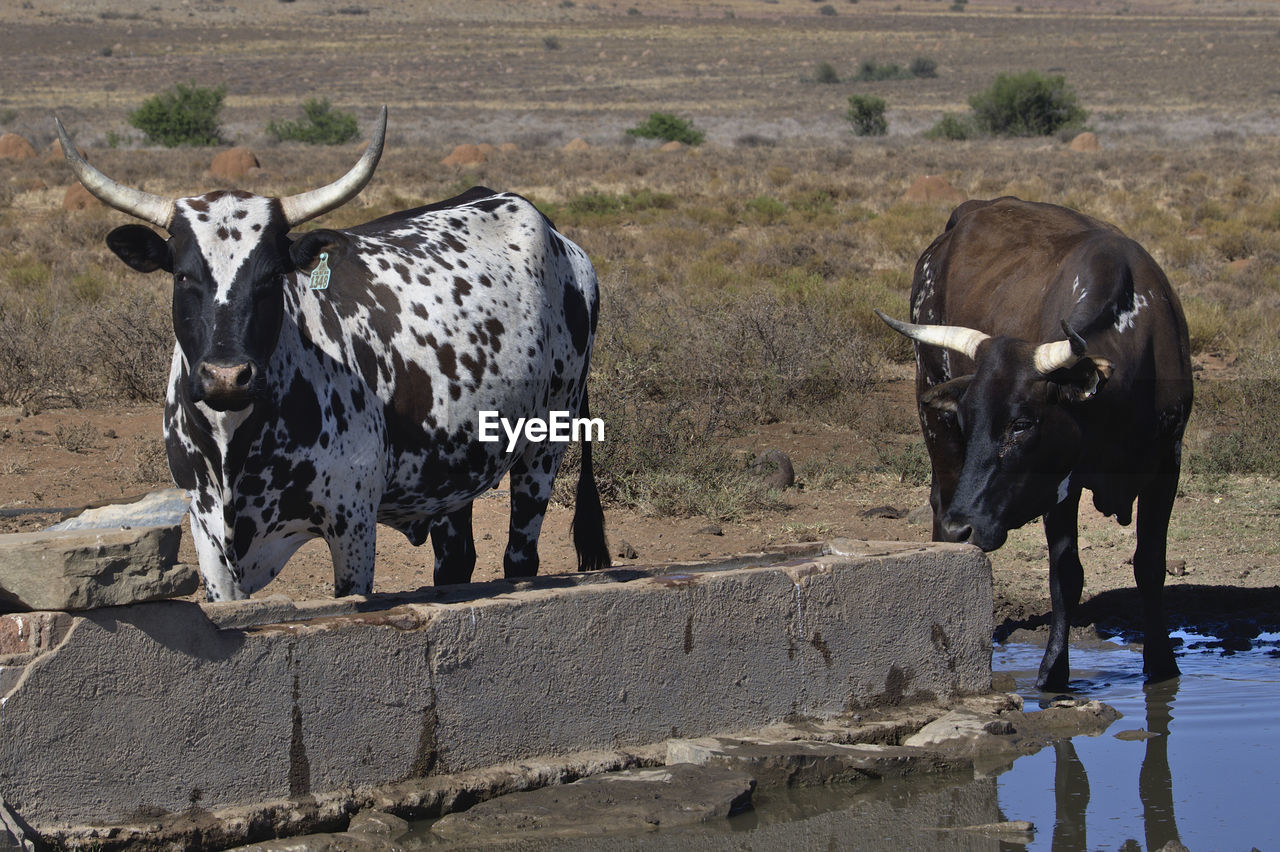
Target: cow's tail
(588,515)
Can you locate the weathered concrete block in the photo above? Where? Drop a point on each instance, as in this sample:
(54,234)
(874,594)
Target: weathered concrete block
(84,569)
(151,707)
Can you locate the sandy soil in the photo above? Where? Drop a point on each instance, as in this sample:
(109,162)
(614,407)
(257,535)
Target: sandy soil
(1224,553)
(468,70)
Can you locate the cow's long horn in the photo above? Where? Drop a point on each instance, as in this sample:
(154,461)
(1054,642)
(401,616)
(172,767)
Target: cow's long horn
(155,209)
(1060,353)
(954,337)
(308,205)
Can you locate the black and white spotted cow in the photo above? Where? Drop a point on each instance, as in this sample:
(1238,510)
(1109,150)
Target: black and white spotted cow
(295,412)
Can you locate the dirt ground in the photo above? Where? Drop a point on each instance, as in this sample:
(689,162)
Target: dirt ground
(469,71)
(1224,551)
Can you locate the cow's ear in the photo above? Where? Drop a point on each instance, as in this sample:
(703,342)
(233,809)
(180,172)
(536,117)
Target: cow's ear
(1081,381)
(946,396)
(305,251)
(141,248)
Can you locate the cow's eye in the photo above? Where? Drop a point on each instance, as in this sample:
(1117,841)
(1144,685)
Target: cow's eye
(1021,426)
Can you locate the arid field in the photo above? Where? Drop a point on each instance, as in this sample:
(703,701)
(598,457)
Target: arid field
(738,277)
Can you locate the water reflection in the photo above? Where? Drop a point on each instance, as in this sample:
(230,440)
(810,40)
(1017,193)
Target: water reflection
(1071,796)
(1155,782)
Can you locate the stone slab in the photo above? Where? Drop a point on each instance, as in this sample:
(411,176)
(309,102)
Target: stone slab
(792,763)
(151,708)
(635,800)
(165,507)
(95,567)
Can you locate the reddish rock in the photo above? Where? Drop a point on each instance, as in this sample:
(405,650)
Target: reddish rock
(577,144)
(53,154)
(933,189)
(14,147)
(78,198)
(466,155)
(1086,142)
(673,145)
(509,148)
(233,163)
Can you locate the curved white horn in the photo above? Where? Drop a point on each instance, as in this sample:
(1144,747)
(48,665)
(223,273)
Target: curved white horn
(1061,353)
(151,208)
(954,337)
(308,205)
(1054,356)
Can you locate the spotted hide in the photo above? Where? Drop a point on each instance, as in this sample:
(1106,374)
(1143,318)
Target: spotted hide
(1052,356)
(296,413)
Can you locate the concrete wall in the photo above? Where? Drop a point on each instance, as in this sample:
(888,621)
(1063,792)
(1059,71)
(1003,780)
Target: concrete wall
(128,711)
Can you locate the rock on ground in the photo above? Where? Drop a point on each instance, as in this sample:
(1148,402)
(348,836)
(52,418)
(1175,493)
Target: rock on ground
(786,763)
(85,569)
(631,801)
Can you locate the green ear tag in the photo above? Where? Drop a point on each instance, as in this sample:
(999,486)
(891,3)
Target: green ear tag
(320,275)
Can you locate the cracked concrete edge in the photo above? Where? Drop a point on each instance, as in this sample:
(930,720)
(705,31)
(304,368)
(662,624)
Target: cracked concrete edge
(797,560)
(434,796)
(416,798)
(419,798)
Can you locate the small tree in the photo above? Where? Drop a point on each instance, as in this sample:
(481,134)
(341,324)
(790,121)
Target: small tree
(187,114)
(866,114)
(923,66)
(321,125)
(826,73)
(953,127)
(1026,104)
(664,125)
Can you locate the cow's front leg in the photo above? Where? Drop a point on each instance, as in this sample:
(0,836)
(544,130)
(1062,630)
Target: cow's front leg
(353,556)
(1155,504)
(530,493)
(455,547)
(221,579)
(1066,581)
(945,443)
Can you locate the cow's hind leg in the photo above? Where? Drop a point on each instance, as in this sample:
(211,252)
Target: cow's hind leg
(1155,504)
(531,480)
(1066,581)
(454,546)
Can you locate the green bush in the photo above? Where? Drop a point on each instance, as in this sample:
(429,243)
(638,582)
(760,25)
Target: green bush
(871,71)
(1026,104)
(826,73)
(923,66)
(321,125)
(952,126)
(187,114)
(866,114)
(664,125)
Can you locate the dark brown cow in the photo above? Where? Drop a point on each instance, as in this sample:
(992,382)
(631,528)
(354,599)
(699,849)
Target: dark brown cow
(1052,356)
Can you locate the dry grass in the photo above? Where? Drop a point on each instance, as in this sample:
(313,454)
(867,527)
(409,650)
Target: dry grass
(738,278)
(737,283)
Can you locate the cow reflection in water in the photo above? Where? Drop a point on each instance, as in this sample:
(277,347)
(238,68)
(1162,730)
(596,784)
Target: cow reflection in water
(1155,783)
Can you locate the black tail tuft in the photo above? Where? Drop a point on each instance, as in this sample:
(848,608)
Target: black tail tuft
(588,515)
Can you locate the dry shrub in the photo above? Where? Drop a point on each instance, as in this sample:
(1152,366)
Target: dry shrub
(132,346)
(1234,428)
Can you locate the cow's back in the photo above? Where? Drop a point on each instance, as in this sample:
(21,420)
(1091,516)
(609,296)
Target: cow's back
(448,310)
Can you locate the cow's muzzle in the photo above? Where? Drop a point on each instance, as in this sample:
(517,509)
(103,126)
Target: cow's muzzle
(963,531)
(224,387)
